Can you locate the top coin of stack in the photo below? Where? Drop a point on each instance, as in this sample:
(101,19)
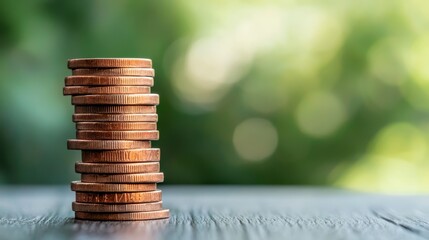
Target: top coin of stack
(115,115)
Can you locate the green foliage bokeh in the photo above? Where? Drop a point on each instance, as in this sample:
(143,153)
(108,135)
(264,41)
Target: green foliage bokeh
(252,92)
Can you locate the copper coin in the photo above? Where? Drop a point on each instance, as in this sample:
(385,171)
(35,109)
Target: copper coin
(83,90)
(114,109)
(125,168)
(116,126)
(88,117)
(134,216)
(118,135)
(123,178)
(145,72)
(108,81)
(109,63)
(151,135)
(117,99)
(106,144)
(122,208)
(128,197)
(129,155)
(79,186)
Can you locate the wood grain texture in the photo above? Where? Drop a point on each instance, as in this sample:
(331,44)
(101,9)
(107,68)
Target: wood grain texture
(224,213)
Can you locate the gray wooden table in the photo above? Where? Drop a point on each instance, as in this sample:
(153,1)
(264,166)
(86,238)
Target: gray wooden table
(208,212)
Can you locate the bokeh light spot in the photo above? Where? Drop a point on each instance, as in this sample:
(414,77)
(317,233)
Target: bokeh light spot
(402,141)
(255,139)
(207,71)
(210,62)
(386,61)
(320,114)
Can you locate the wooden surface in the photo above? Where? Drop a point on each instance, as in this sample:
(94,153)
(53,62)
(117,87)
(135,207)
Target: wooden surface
(224,213)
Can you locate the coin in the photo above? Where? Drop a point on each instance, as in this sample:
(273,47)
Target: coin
(125,168)
(123,178)
(118,135)
(129,155)
(151,135)
(122,208)
(106,144)
(114,109)
(127,197)
(108,81)
(116,126)
(117,99)
(79,186)
(109,63)
(82,90)
(88,117)
(145,72)
(134,216)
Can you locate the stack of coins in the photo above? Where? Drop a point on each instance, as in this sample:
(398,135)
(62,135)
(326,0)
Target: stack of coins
(116,120)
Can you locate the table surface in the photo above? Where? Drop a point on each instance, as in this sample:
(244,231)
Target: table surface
(224,212)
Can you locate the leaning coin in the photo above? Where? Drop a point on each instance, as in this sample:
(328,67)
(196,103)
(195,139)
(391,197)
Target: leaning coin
(108,81)
(152,135)
(115,126)
(128,197)
(117,99)
(122,208)
(106,144)
(88,117)
(145,72)
(79,186)
(129,155)
(84,90)
(134,216)
(109,63)
(124,168)
(123,178)
(114,109)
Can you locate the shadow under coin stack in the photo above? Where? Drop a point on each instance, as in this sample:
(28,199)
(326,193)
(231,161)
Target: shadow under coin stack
(116,120)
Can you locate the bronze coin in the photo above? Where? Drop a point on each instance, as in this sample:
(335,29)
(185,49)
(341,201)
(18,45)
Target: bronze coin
(144,72)
(100,168)
(129,155)
(79,186)
(117,99)
(134,216)
(108,81)
(114,109)
(83,90)
(123,178)
(127,197)
(109,63)
(122,208)
(79,144)
(118,135)
(115,126)
(88,117)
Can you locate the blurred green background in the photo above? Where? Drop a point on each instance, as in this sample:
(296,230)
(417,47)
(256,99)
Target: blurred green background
(252,92)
